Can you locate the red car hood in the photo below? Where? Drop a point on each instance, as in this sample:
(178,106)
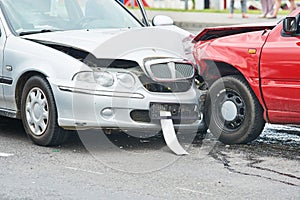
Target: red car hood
(222,31)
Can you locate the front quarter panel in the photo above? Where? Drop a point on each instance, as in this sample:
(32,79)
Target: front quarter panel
(24,56)
(240,51)
(234,50)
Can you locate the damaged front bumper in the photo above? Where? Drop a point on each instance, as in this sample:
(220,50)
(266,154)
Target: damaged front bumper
(138,110)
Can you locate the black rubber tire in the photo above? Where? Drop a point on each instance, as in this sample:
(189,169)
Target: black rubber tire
(50,134)
(248,121)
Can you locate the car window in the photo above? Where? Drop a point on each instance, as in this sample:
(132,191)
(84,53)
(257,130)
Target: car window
(36,15)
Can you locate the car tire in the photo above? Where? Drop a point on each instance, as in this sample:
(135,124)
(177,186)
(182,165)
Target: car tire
(234,114)
(38,113)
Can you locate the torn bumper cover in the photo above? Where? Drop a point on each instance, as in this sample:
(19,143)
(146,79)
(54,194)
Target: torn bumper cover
(129,111)
(169,133)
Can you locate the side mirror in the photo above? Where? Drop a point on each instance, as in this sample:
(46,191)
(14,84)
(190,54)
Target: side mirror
(290,25)
(162,20)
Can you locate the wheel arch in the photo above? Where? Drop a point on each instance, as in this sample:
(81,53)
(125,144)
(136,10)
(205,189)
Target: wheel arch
(214,70)
(217,69)
(20,86)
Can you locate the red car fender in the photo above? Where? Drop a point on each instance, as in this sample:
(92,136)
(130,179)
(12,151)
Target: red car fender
(236,52)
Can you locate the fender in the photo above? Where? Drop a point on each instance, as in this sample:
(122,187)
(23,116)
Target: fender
(230,54)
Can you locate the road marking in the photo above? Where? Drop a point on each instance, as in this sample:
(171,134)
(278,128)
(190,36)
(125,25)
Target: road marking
(193,191)
(5,154)
(83,170)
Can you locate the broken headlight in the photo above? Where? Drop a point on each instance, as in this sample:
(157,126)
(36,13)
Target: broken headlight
(126,79)
(106,79)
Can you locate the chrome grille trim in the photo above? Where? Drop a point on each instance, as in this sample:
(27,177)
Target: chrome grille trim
(169,69)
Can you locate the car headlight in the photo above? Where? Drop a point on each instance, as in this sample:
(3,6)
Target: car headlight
(126,79)
(105,79)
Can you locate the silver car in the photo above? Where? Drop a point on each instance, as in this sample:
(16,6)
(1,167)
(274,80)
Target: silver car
(91,64)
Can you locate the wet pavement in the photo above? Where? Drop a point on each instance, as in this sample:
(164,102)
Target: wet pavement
(276,140)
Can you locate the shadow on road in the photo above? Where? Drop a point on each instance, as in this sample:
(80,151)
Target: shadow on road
(276,140)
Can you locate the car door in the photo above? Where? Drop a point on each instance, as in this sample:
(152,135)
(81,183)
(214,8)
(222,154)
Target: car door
(3,80)
(280,76)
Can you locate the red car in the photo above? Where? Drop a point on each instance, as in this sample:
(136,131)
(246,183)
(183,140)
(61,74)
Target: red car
(253,76)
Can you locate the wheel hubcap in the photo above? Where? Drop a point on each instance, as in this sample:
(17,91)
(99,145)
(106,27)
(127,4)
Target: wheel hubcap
(37,114)
(229,110)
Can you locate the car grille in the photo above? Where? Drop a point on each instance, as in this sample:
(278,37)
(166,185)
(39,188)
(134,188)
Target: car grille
(184,70)
(171,71)
(168,75)
(161,71)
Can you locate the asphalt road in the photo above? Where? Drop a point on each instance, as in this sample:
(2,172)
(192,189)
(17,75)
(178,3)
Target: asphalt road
(267,168)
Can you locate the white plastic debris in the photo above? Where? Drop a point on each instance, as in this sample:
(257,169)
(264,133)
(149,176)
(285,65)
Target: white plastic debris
(169,133)
(5,154)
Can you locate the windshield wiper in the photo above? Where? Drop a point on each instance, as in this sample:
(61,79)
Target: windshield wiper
(37,31)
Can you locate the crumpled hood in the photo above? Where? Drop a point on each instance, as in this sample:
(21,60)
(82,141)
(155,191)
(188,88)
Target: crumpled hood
(115,43)
(222,31)
(87,40)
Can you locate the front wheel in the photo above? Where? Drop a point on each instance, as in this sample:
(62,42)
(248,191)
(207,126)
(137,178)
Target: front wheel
(234,114)
(38,112)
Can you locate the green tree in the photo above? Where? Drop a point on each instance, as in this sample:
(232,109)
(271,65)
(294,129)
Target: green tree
(193,3)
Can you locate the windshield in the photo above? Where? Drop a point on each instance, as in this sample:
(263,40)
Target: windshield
(33,16)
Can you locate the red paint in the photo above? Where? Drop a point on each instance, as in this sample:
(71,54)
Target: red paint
(273,72)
